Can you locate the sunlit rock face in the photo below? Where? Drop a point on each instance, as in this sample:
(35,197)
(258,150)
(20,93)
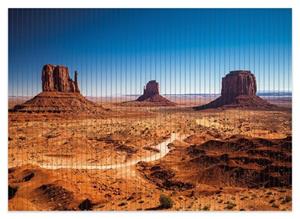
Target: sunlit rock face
(238,90)
(151,89)
(238,83)
(57,78)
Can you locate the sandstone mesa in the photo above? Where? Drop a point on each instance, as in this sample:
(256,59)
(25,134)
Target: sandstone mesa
(238,90)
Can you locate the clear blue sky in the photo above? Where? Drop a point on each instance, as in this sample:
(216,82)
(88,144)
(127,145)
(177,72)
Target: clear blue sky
(116,51)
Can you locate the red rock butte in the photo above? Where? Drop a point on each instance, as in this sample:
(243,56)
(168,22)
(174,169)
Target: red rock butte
(60,94)
(151,95)
(238,90)
(56,78)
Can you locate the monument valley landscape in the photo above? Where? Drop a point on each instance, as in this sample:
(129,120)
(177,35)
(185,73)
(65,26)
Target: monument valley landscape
(236,157)
(155,148)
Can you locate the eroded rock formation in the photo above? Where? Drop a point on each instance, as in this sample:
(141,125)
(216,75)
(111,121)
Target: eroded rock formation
(150,90)
(238,90)
(57,78)
(151,95)
(238,83)
(60,94)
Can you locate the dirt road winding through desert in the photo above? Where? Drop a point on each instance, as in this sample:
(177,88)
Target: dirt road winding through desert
(162,147)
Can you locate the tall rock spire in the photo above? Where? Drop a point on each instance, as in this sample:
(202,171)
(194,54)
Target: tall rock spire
(76,82)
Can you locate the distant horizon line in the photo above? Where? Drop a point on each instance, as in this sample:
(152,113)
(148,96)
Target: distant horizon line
(259,93)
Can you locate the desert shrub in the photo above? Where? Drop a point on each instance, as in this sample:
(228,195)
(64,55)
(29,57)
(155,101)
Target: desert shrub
(230,205)
(122,204)
(12,191)
(272,201)
(206,208)
(286,199)
(86,205)
(165,202)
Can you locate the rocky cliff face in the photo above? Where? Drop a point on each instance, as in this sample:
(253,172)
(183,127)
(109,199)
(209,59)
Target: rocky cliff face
(57,78)
(238,83)
(151,89)
(238,90)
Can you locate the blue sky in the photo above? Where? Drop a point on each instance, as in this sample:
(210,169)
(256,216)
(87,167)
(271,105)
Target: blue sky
(116,51)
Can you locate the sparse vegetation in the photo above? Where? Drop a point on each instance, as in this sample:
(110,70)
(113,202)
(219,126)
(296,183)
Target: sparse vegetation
(165,202)
(12,191)
(272,201)
(106,141)
(206,208)
(85,205)
(286,199)
(229,205)
(22,138)
(122,204)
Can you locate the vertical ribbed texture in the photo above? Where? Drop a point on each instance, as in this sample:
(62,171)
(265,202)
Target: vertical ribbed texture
(109,148)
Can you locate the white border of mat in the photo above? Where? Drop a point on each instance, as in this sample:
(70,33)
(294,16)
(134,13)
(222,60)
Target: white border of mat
(5,4)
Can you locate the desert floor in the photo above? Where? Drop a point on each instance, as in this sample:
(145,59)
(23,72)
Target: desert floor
(220,159)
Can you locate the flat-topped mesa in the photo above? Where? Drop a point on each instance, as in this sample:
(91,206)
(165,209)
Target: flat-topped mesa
(57,78)
(238,90)
(238,83)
